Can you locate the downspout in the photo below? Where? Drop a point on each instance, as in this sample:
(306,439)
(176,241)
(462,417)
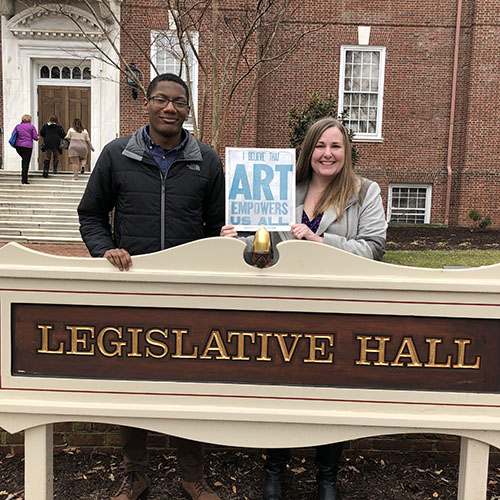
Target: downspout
(452,112)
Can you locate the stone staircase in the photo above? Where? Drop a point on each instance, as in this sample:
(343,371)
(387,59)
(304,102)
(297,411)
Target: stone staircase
(43,211)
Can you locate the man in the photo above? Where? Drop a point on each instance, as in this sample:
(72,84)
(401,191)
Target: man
(167,189)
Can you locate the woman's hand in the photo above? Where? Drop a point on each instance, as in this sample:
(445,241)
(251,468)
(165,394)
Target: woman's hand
(228,231)
(302,232)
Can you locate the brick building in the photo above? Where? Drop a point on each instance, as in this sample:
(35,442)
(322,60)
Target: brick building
(419,80)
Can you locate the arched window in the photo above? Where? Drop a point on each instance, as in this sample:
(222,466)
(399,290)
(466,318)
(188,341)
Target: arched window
(77,73)
(55,72)
(44,72)
(86,73)
(66,72)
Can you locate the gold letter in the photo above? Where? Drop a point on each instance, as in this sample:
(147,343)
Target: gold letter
(461,355)
(118,345)
(150,340)
(134,353)
(287,354)
(364,350)
(220,348)
(241,343)
(179,346)
(263,346)
(432,355)
(76,340)
(313,348)
(407,343)
(44,349)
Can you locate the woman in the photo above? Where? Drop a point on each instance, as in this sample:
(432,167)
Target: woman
(26,134)
(79,144)
(336,207)
(52,134)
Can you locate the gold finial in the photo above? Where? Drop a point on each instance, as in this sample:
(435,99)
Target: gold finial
(262,241)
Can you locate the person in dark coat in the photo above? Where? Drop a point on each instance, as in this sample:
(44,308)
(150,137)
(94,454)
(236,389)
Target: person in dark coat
(166,189)
(52,134)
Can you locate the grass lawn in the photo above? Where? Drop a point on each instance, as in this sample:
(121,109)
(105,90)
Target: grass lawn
(441,258)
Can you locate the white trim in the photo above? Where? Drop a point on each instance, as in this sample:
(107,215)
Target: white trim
(364,35)
(428,198)
(369,137)
(21,58)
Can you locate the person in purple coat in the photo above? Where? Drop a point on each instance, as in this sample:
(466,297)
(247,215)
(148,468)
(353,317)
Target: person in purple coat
(26,134)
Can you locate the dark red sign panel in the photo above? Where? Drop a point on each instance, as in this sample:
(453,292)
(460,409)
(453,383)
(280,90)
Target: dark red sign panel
(315,349)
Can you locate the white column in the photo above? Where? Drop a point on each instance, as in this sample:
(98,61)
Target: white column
(473,475)
(38,463)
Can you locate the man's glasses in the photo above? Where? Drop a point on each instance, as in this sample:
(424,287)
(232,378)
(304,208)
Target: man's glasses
(161,102)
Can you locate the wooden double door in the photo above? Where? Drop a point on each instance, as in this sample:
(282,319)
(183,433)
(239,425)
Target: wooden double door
(67,103)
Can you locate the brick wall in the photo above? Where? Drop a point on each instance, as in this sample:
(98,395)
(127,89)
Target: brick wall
(419,39)
(105,438)
(2,124)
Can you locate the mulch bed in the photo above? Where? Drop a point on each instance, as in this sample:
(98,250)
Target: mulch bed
(442,238)
(237,475)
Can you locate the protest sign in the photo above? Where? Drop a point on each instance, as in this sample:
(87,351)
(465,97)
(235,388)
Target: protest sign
(260,188)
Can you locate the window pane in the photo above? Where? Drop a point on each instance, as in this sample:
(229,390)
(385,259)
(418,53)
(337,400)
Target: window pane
(66,72)
(361,81)
(44,72)
(77,74)
(408,205)
(86,73)
(55,72)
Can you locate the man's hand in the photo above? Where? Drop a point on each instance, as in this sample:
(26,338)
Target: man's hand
(120,258)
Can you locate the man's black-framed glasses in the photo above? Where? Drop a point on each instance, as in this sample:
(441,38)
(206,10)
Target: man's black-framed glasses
(162,101)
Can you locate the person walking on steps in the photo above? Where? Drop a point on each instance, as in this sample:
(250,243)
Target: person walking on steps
(166,189)
(79,145)
(26,134)
(52,133)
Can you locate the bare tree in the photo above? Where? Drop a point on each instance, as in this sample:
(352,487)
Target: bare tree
(243,45)
(234,45)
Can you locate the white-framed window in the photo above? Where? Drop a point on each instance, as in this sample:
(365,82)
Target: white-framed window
(361,90)
(409,203)
(168,57)
(63,72)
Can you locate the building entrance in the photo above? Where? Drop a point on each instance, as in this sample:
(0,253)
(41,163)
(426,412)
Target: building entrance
(67,103)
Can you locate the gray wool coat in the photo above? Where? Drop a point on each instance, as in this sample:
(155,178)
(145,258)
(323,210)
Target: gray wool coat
(361,230)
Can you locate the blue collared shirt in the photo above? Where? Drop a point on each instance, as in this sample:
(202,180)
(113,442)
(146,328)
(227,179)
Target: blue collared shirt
(164,157)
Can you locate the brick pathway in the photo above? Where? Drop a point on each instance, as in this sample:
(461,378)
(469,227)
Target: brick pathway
(63,249)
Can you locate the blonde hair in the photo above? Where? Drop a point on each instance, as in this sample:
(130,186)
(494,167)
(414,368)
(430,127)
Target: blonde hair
(345,184)
(26,118)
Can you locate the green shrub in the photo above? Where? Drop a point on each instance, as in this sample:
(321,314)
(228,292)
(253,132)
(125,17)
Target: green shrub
(299,121)
(479,220)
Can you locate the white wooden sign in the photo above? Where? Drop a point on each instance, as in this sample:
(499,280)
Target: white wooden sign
(407,350)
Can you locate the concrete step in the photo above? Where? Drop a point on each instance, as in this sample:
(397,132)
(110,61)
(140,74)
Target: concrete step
(41,224)
(28,231)
(43,211)
(38,211)
(7,217)
(14,194)
(49,205)
(40,239)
